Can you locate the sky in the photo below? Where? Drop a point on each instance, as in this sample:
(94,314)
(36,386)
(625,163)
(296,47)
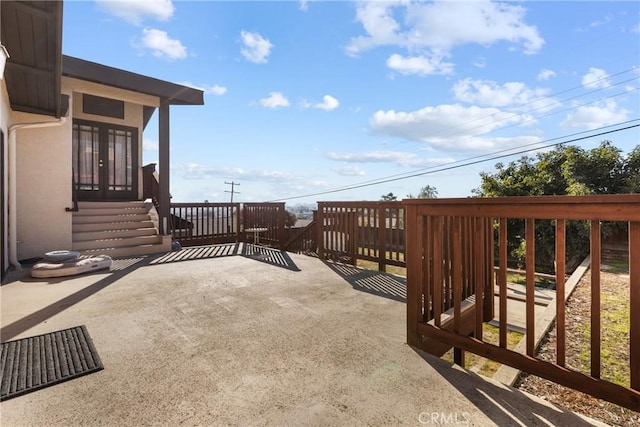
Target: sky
(305,98)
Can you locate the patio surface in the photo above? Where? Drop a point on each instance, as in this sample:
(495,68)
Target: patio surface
(207,336)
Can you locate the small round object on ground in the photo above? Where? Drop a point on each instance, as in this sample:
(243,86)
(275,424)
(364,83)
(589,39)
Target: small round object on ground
(61,256)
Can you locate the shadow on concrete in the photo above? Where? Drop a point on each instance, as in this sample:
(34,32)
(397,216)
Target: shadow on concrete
(120,268)
(372,282)
(198,252)
(269,255)
(502,404)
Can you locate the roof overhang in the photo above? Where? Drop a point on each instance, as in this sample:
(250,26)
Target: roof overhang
(174,93)
(31,31)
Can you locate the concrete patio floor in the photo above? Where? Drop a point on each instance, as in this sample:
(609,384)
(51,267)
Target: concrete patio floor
(206,336)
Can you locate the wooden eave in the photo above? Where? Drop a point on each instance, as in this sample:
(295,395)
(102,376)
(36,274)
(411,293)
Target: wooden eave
(174,93)
(31,31)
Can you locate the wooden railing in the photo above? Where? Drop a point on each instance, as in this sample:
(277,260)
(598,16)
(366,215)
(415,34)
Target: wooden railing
(450,282)
(305,240)
(195,224)
(372,231)
(266,215)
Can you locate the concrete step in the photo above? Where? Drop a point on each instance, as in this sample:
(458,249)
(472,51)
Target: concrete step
(113,234)
(114,225)
(116,243)
(100,205)
(129,210)
(93,219)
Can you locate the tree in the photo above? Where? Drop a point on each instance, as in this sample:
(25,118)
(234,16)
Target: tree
(428,192)
(290,219)
(389,197)
(563,171)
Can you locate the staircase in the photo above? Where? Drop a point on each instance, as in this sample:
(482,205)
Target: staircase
(117,229)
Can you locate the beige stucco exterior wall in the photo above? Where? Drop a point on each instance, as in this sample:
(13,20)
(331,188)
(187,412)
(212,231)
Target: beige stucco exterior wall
(44,186)
(4,125)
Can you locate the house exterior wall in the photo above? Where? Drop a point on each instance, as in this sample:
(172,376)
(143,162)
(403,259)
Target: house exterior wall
(44,166)
(4,126)
(133,108)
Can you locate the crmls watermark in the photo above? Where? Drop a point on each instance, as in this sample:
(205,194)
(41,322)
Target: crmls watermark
(444,418)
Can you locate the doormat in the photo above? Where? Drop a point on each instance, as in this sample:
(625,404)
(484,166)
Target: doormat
(34,363)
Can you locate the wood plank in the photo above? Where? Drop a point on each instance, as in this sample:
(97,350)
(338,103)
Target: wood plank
(531,283)
(634,297)
(414,276)
(457,272)
(595,299)
(479,260)
(561,257)
(437,280)
(502,280)
(599,388)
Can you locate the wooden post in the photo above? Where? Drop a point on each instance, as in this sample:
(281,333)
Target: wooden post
(164,198)
(382,240)
(414,276)
(634,296)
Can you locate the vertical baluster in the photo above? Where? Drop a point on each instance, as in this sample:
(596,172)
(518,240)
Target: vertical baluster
(427,262)
(531,283)
(502,280)
(456,265)
(595,299)
(478,260)
(436,236)
(560,291)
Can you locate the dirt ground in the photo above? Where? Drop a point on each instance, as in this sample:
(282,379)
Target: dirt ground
(615,350)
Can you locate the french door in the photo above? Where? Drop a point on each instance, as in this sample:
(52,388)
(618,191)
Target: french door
(105,161)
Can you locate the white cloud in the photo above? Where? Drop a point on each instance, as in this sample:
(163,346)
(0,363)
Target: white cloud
(351,170)
(595,116)
(274,100)
(328,103)
(207,88)
(420,65)
(596,78)
(431,30)
(546,74)
(149,145)
(510,94)
(255,47)
(636,28)
(396,157)
(450,127)
(304,5)
(162,45)
(135,11)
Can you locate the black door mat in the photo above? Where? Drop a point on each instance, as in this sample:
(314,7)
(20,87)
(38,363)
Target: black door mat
(33,363)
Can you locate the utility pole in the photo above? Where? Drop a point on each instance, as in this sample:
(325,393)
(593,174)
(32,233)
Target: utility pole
(232,184)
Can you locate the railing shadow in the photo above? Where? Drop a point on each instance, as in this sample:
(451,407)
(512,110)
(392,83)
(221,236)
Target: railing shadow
(269,255)
(372,282)
(502,404)
(198,252)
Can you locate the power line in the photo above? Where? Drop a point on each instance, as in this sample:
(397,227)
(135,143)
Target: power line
(469,163)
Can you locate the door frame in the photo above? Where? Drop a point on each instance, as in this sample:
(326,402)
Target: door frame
(103,191)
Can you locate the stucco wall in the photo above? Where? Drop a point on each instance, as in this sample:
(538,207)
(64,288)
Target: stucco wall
(44,187)
(4,124)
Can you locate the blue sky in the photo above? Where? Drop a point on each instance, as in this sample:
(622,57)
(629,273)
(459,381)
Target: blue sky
(306,97)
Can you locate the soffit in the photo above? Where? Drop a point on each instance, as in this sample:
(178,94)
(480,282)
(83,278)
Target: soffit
(90,71)
(32,35)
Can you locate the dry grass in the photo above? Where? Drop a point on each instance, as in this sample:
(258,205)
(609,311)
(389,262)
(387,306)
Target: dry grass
(614,354)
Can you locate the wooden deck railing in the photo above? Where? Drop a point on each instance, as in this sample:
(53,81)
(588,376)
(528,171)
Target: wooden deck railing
(450,282)
(266,215)
(372,231)
(195,224)
(305,240)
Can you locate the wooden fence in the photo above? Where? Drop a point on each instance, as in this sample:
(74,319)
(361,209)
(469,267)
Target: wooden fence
(450,281)
(372,231)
